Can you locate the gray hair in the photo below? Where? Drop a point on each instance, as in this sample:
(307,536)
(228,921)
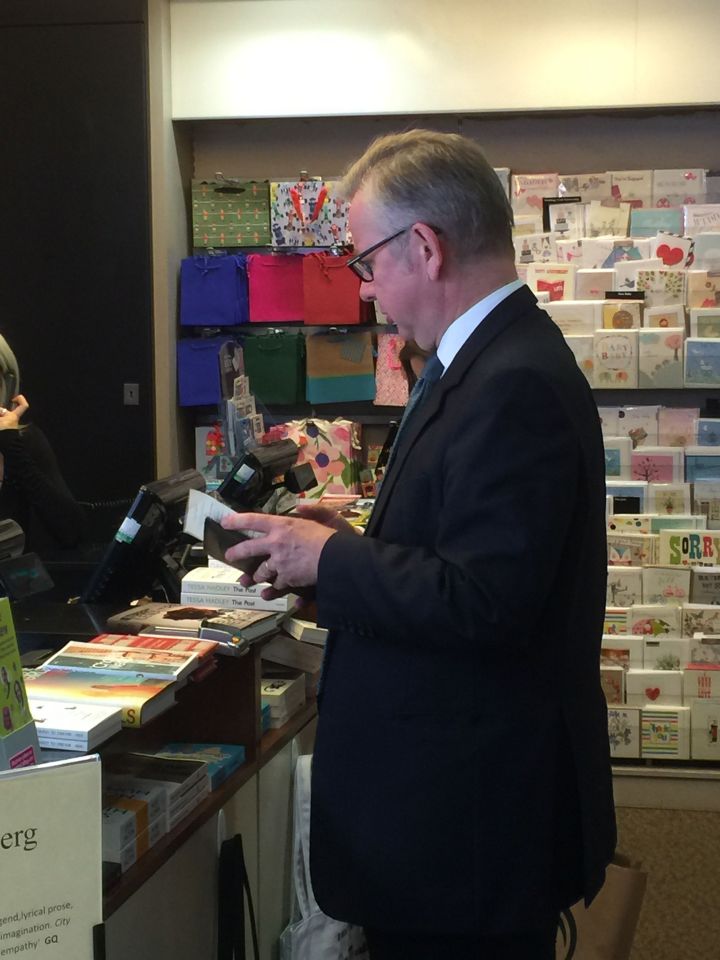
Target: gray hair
(9,373)
(441,179)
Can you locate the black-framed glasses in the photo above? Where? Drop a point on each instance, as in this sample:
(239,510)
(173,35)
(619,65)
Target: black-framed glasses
(362,267)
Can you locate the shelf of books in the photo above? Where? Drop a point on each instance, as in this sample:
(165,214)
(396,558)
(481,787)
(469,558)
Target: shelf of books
(185,704)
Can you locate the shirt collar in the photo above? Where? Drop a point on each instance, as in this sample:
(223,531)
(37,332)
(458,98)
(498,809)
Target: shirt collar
(460,330)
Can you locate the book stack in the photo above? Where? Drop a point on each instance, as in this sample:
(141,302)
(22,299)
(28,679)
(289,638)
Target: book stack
(77,727)
(232,630)
(222,759)
(204,649)
(134,818)
(140,698)
(219,585)
(184,783)
(284,695)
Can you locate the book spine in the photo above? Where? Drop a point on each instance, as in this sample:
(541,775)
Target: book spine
(230,602)
(58,733)
(62,743)
(215,587)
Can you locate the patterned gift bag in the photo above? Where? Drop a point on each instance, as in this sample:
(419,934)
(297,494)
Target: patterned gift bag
(391,386)
(231,213)
(307,213)
(332,448)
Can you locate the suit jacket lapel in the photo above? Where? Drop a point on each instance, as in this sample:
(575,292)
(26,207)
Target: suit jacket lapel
(496,321)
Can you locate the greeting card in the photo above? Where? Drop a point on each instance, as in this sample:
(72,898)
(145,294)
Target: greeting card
(624,586)
(640,424)
(660,360)
(630,523)
(708,432)
(569,251)
(576,317)
(624,731)
(646,222)
(595,252)
(524,223)
(700,618)
(616,358)
(534,248)
(666,654)
(654,620)
(666,585)
(528,191)
(555,279)
(590,186)
(706,500)
(702,464)
(665,317)
(674,187)
(706,251)
(703,289)
(618,457)
(612,682)
(593,284)
(705,322)
(632,185)
(625,650)
(661,287)
(658,464)
(607,218)
(701,218)
(702,362)
(583,351)
(665,732)
(655,687)
(669,498)
(622,314)
(676,425)
(704,730)
(632,549)
(626,271)
(701,683)
(671,250)
(684,548)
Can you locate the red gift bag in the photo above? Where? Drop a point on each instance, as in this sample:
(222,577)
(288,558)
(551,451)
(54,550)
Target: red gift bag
(275,285)
(331,292)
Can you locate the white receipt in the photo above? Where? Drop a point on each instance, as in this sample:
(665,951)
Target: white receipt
(201,505)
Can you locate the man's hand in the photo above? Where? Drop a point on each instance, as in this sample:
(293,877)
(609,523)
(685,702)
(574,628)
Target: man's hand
(290,546)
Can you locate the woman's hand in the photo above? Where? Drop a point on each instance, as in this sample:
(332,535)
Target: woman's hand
(10,417)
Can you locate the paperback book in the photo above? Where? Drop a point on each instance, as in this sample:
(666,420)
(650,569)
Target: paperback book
(140,698)
(74,726)
(138,661)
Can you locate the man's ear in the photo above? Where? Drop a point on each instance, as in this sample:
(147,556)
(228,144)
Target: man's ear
(428,249)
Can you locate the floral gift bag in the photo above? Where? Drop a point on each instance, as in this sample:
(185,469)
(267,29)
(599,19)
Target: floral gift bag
(332,448)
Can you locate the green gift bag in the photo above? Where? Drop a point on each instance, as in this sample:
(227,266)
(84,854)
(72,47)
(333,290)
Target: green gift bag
(231,213)
(275,364)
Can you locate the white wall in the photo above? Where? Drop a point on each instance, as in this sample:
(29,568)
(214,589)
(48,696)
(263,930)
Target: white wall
(294,58)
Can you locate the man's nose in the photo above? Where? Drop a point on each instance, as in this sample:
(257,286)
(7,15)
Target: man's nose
(367,290)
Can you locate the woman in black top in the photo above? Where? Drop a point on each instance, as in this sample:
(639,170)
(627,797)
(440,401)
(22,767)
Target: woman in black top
(32,490)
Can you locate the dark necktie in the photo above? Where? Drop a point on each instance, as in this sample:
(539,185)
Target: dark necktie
(431,373)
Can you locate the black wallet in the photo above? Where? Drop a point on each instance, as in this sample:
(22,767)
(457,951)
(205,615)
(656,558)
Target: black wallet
(216,540)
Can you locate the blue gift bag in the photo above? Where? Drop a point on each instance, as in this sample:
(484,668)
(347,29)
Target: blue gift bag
(213,290)
(199,370)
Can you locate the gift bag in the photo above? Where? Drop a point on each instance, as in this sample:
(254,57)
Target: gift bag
(606,929)
(213,290)
(391,386)
(276,288)
(331,292)
(340,367)
(275,365)
(307,213)
(231,213)
(199,371)
(311,934)
(332,448)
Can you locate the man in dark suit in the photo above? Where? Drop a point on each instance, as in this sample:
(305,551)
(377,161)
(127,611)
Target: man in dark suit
(461,780)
